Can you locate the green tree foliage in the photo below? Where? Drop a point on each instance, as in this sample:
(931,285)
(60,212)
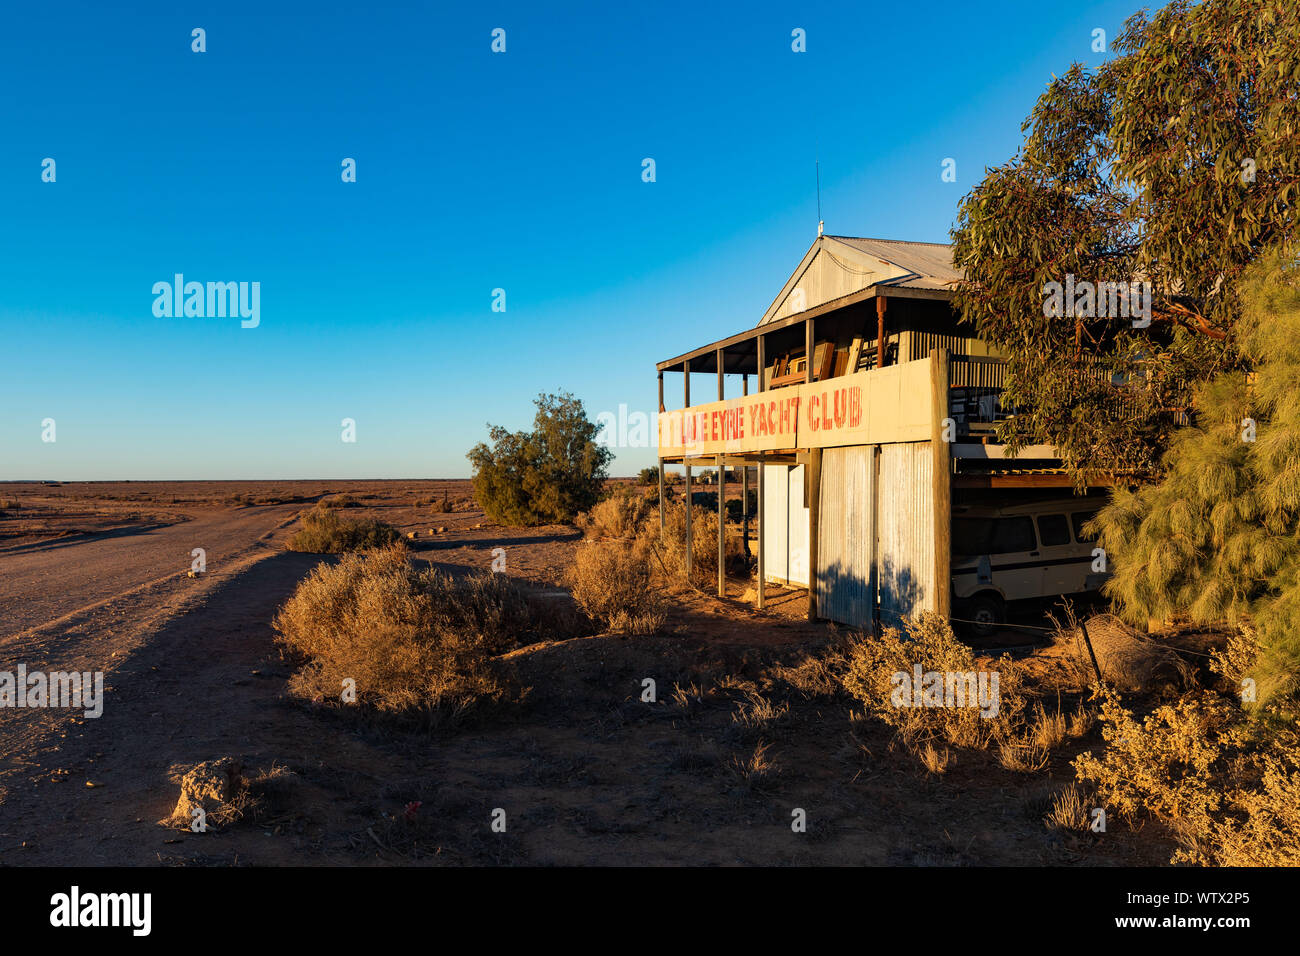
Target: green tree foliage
(1218,537)
(544,476)
(1176,162)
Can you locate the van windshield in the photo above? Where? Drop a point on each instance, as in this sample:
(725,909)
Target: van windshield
(974,536)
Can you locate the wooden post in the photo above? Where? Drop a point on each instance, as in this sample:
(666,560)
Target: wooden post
(661,496)
(808,350)
(722,529)
(881,305)
(744,481)
(687,366)
(942,467)
(762,525)
(722,494)
(661,459)
(812,477)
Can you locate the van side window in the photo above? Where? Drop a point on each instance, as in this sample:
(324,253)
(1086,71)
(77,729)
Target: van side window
(1012,534)
(971,536)
(1079,518)
(1053,529)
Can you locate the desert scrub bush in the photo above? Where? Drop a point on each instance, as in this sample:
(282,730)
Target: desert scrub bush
(340,501)
(1164,763)
(416,643)
(611,582)
(550,474)
(881,669)
(648,476)
(669,546)
(1262,827)
(324,531)
(621,515)
(1227,786)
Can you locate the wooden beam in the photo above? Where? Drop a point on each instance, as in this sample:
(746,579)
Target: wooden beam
(942,468)
(1022,481)
(812,483)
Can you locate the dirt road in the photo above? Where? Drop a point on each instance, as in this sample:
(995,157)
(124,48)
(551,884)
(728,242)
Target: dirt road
(90,603)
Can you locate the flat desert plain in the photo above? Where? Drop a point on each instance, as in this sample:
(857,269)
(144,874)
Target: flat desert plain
(93,577)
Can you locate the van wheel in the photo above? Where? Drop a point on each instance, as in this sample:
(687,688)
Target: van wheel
(987,615)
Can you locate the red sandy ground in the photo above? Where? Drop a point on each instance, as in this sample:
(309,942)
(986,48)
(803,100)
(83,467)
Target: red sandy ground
(92,577)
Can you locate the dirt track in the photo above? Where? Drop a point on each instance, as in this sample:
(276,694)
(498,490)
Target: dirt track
(101,602)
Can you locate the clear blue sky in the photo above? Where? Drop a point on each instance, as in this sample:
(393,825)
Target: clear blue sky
(475,171)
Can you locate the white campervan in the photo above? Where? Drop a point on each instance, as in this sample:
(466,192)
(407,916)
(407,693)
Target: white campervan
(1018,553)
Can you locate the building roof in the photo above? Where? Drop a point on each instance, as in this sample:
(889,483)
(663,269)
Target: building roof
(839,266)
(930,263)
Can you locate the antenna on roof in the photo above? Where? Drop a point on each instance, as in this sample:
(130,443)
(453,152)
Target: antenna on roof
(820,224)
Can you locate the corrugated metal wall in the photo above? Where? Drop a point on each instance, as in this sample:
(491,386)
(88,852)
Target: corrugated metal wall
(905,530)
(785,532)
(846,586)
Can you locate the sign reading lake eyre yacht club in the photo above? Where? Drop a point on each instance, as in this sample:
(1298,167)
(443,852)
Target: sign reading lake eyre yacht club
(849,410)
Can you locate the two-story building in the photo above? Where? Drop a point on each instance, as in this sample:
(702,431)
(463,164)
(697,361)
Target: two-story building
(866,410)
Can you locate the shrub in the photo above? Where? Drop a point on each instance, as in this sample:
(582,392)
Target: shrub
(550,474)
(324,531)
(1265,829)
(930,643)
(341,501)
(621,515)
(611,582)
(415,643)
(669,546)
(649,476)
(1162,764)
(1228,787)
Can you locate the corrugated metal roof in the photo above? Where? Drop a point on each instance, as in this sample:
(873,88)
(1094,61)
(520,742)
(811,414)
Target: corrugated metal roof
(930,263)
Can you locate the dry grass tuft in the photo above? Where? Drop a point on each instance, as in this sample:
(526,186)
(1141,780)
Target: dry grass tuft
(756,768)
(1069,811)
(758,711)
(935,761)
